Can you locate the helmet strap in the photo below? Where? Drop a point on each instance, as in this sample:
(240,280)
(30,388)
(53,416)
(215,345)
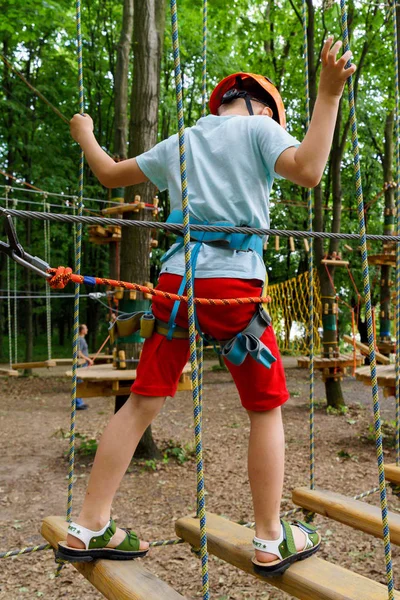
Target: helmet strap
(247,99)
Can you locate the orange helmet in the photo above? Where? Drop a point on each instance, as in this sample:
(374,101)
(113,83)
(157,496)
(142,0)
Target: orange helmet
(258,86)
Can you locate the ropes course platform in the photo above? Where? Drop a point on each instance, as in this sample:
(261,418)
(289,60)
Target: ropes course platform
(386,376)
(104,235)
(355,513)
(332,367)
(321,362)
(388,259)
(104,380)
(312,579)
(116,580)
(387,347)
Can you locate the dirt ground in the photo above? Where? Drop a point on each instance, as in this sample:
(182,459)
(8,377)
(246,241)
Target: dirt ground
(34,418)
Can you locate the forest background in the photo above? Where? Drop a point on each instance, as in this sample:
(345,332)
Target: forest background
(38,38)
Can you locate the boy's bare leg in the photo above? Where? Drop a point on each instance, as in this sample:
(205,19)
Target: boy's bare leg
(266,467)
(117,446)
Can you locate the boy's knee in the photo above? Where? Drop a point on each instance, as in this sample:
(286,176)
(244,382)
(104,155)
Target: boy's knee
(147,405)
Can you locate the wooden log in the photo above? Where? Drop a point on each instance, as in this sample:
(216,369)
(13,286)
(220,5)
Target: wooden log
(306,245)
(291,245)
(116,580)
(35,365)
(355,513)
(384,360)
(312,579)
(277,243)
(392,473)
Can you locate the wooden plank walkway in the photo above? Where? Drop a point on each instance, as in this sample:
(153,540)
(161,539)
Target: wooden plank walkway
(392,473)
(311,579)
(355,513)
(116,580)
(386,376)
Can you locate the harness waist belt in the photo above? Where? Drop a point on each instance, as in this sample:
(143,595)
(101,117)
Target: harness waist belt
(233,241)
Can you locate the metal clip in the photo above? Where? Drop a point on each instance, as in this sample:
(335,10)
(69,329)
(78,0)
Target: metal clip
(15,251)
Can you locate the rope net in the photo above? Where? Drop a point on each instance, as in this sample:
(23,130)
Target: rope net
(290,312)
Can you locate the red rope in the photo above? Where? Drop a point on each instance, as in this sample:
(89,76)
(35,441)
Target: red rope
(62,275)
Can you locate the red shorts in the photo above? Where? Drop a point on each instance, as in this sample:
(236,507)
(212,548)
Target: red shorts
(162,361)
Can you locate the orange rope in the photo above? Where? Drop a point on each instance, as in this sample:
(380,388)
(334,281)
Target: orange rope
(353,331)
(62,275)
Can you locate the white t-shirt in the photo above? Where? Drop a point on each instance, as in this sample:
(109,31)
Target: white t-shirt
(230,163)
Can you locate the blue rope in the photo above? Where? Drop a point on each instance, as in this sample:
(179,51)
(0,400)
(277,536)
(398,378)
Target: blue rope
(191,314)
(367,293)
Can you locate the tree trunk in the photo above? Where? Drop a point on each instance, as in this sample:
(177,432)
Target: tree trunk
(121,115)
(135,245)
(388,229)
(121,82)
(334,395)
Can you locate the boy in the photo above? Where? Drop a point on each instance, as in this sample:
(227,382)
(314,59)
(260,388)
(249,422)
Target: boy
(231,163)
(83,353)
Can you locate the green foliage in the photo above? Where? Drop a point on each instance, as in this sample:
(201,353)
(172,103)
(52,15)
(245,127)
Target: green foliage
(340,411)
(180,453)
(388,433)
(87,446)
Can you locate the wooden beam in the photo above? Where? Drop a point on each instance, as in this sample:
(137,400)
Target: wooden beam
(355,513)
(335,262)
(100,359)
(116,580)
(8,373)
(123,208)
(312,579)
(392,473)
(384,360)
(35,365)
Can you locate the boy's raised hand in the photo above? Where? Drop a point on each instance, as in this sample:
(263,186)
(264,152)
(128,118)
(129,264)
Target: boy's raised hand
(333,72)
(80,126)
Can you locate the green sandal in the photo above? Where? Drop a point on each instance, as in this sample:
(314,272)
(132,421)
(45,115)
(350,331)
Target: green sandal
(284,547)
(96,545)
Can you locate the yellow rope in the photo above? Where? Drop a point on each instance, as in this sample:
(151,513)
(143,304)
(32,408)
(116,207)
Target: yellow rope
(290,313)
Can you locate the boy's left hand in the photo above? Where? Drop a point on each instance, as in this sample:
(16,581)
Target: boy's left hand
(333,72)
(80,126)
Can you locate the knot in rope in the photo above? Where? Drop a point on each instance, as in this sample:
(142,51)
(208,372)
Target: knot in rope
(61,276)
